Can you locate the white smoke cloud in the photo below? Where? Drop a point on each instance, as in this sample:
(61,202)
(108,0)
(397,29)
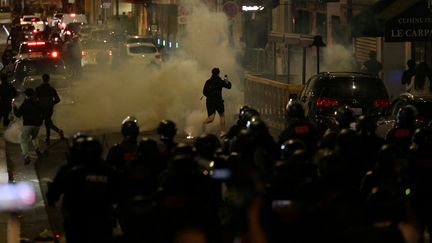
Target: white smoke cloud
(104,98)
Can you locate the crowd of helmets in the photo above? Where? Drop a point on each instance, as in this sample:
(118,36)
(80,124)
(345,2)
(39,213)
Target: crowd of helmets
(341,185)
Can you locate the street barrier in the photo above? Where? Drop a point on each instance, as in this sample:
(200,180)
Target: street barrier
(269,98)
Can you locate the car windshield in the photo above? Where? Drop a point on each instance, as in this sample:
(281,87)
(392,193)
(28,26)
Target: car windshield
(142,49)
(39,67)
(31,19)
(96,45)
(424,109)
(340,87)
(140,39)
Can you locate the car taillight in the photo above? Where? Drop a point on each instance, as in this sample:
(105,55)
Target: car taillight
(83,53)
(158,56)
(54,54)
(35,31)
(381,103)
(326,102)
(38,43)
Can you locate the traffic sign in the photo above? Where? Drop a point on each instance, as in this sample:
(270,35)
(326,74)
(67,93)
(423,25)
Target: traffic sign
(231,9)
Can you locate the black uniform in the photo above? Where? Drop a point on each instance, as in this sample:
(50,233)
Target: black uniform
(48,97)
(122,154)
(7,93)
(213,91)
(89,192)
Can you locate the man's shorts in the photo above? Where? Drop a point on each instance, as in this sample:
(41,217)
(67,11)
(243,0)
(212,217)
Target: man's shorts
(212,107)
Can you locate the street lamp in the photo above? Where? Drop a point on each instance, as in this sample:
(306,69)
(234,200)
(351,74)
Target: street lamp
(318,42)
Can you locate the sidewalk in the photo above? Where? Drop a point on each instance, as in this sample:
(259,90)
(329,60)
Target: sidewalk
(4,178)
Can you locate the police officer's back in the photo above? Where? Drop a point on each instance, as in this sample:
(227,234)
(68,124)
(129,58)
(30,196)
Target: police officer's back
(121,154)
(88,195)
(298,127)
(401,133)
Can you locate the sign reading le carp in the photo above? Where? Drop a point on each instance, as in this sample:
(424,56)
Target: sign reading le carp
(415,24)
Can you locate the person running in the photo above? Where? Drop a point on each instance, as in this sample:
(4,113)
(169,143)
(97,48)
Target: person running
(214,102)
(31,112)
(48,98)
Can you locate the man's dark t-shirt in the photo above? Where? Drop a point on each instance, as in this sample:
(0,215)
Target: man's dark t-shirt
(373,67)
(213,88)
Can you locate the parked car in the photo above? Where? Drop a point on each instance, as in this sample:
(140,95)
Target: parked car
(325,92)
(423,103)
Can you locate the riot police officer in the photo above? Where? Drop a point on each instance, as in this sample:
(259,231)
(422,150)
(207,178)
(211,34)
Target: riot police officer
(88,191)
(298,127)
(401,133)
(121,154)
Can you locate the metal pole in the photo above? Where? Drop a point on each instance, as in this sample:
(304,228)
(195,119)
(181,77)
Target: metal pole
(117,9)
(288,64)
(318,59)
(274,61)
(304,66)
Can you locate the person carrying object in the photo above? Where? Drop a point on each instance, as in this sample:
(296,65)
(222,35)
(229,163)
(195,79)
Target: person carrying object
(214,102)
(31,112)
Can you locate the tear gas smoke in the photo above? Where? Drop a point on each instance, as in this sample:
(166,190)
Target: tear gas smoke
(338,58)
(105,98)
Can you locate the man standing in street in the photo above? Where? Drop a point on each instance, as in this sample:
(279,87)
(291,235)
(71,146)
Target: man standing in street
(372,66)
(48,97)
(214,102)
(31,112)
(7,93)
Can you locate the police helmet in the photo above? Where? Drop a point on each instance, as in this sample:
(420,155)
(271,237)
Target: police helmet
(167,129)
(148,149)
(130,127)
(207,144)
(294,109)
(406,116)
(290,146)
(366,124)
(344,117)
(246,114)
(257,126)
(422,138)
(90,148)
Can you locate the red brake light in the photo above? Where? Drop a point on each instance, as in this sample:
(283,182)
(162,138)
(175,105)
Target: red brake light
(62,25)
(326,102)
(38,43)
(54,54)
(381,103)
(35,31)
